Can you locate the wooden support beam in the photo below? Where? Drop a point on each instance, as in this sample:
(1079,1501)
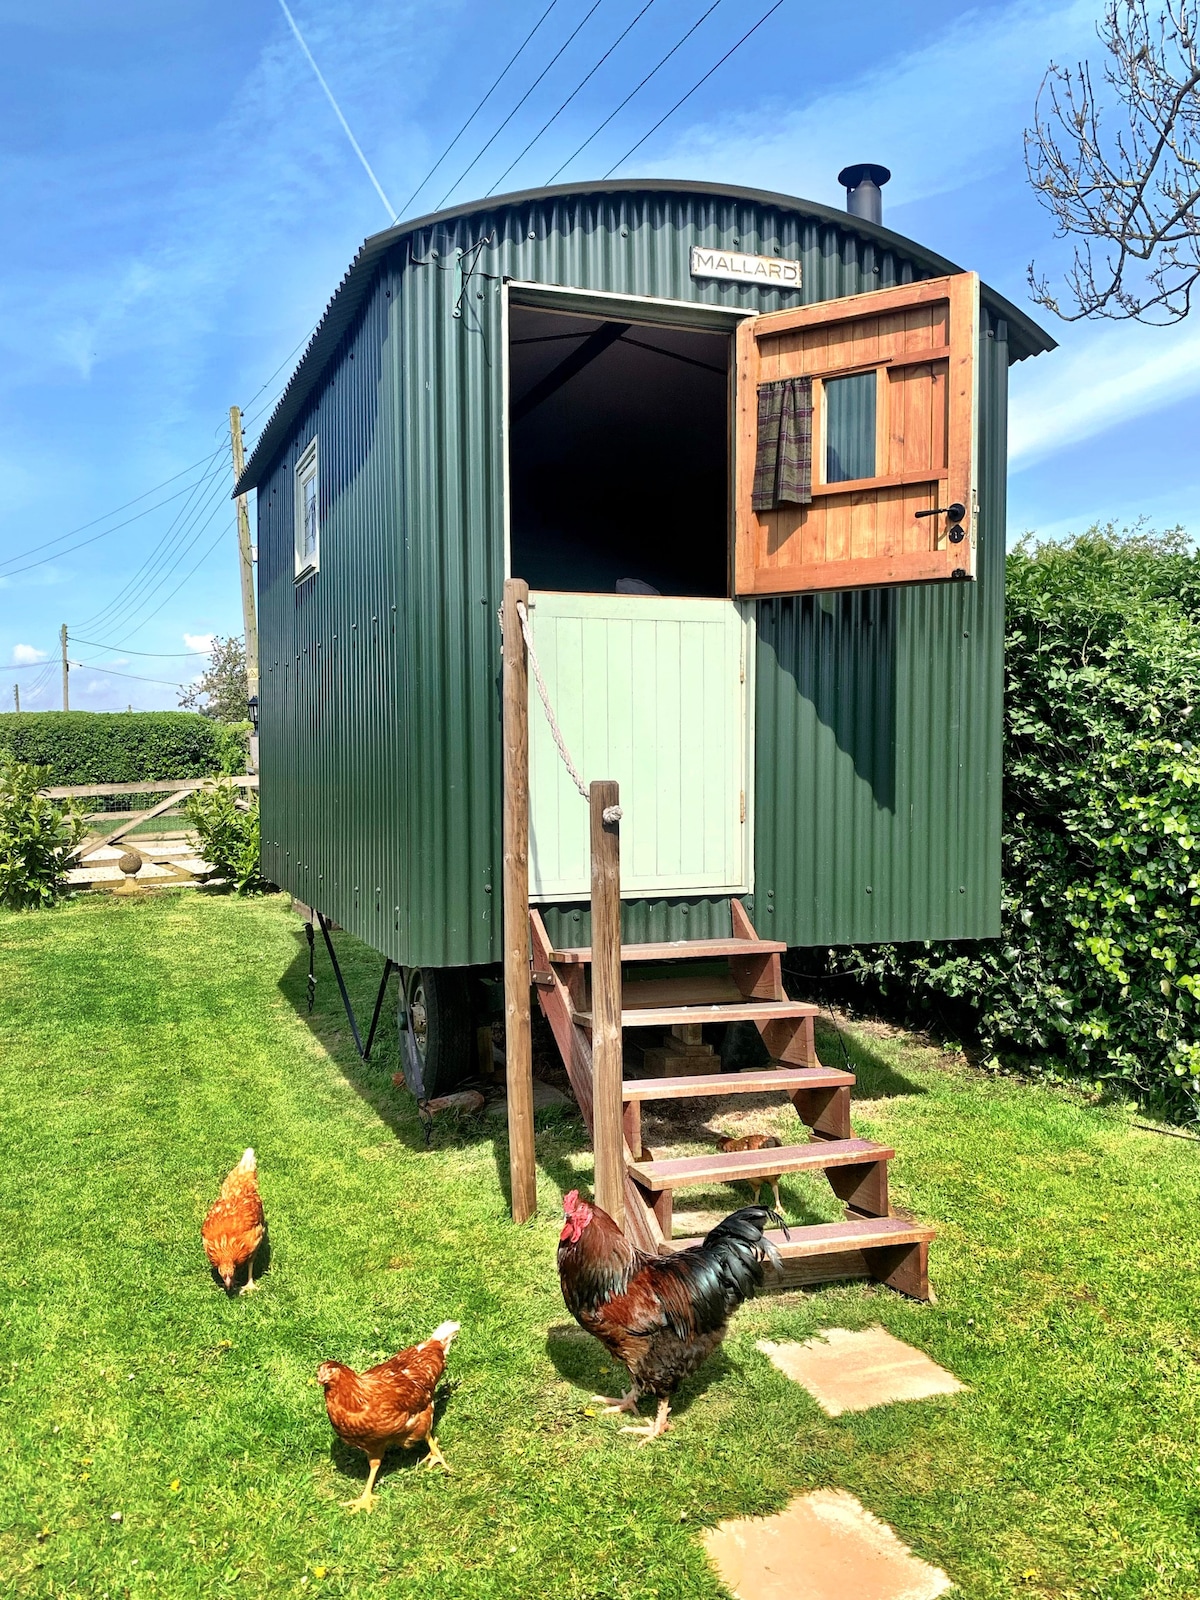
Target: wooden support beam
(518,1044)
(825,1110)
(608,1139)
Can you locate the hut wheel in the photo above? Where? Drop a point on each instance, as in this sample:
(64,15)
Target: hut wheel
(439,1004)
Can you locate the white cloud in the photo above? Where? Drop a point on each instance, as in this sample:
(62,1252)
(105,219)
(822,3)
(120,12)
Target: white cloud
(1099,379)
(939,116)
(198,641)
(26,655)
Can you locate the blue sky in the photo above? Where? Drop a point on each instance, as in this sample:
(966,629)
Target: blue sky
(181,202)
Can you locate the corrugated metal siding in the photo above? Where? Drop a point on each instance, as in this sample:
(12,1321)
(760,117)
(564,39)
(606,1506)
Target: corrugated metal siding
(381,765)
(331,718)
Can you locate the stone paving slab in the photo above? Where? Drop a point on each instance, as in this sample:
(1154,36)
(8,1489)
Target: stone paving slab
(823,1546)
(846,1371)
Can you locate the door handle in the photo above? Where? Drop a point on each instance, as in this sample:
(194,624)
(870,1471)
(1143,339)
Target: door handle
(956,511)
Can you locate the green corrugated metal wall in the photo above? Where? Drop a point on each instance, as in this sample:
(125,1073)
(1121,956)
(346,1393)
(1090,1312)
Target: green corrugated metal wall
(878,735)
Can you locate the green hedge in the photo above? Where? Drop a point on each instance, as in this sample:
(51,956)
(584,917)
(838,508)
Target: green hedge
(122,747)
(1096,973)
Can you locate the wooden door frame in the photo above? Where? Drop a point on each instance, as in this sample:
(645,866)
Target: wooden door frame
(608,305)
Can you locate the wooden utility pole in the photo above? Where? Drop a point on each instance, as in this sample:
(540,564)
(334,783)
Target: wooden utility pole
(518,1040)
(608,1138)
(66,670)
(246,566)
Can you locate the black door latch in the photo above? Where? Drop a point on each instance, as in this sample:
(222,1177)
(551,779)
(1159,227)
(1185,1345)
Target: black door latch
(956,511)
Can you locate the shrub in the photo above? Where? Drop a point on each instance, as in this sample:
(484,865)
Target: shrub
(221,690)
(227,827)
(123,747)
(1097,970)
(35,835)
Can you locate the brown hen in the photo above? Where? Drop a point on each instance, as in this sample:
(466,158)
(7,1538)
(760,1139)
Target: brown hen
(235,1225)
(755,1141)
(388,1406)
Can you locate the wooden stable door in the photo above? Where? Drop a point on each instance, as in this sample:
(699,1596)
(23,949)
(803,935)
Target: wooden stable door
(891,379)
(657,693)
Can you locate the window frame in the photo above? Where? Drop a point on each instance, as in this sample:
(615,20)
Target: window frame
(308,467)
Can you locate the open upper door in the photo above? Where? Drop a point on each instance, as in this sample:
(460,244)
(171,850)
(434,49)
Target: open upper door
(888,388)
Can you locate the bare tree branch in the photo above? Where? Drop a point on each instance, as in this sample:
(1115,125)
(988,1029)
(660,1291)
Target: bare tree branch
(1120,169)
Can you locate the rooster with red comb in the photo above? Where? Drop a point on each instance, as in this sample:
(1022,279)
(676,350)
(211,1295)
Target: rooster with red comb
(660,1316)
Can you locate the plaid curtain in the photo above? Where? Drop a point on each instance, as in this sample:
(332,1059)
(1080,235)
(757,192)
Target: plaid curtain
(783,464)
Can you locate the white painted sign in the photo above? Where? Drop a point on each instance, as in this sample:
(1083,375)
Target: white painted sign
(771,271)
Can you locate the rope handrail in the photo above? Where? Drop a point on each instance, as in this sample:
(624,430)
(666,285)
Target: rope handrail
(612,814)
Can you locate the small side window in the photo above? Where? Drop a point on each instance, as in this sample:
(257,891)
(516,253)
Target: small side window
(308,520)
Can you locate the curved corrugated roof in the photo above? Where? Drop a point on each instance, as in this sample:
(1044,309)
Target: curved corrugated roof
(1025,336)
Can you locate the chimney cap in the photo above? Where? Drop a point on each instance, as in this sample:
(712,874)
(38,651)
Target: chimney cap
(851,177)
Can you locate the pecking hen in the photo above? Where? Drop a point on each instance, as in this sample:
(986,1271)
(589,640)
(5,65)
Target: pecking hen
(660,1316)
(755,1141)
(388,1406)
(235,1225)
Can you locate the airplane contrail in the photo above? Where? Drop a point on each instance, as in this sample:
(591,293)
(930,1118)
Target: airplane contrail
(391,211)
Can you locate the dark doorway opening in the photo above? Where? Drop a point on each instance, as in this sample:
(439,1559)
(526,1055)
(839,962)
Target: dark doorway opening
(618,455)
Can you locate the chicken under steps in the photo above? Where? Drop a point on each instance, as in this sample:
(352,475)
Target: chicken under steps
(747,988)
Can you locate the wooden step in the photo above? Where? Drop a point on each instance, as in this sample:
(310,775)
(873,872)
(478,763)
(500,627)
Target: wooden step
(678,950)
(677,1172)
(675,1016)
(830,1238)
(786,1078)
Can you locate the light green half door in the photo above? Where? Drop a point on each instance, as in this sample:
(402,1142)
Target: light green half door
(656,694)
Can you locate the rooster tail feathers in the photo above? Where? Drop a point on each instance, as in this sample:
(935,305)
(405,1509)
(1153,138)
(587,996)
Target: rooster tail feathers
(740,1243)
(444,1334)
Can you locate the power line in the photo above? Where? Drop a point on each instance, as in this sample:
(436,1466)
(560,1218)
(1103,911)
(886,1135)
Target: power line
(187,578)
(678,45)
(588,75)
(131,610)
(511,62)
(337,109)
(698,84)
(158,655)
(33,549)
(208,488)
(289,357)
(519,104)
(87,666)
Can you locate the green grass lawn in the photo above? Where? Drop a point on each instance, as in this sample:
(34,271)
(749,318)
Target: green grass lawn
(145,1042)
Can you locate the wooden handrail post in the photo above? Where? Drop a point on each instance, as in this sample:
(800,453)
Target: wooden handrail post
(608,1138)
(518,1047)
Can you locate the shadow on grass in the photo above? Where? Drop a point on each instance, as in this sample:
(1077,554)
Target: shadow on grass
(876,1079)
(558,1130)
(584,1363)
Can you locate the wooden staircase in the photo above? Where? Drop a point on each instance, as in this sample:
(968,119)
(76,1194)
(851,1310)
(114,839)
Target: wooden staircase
(870,1242)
